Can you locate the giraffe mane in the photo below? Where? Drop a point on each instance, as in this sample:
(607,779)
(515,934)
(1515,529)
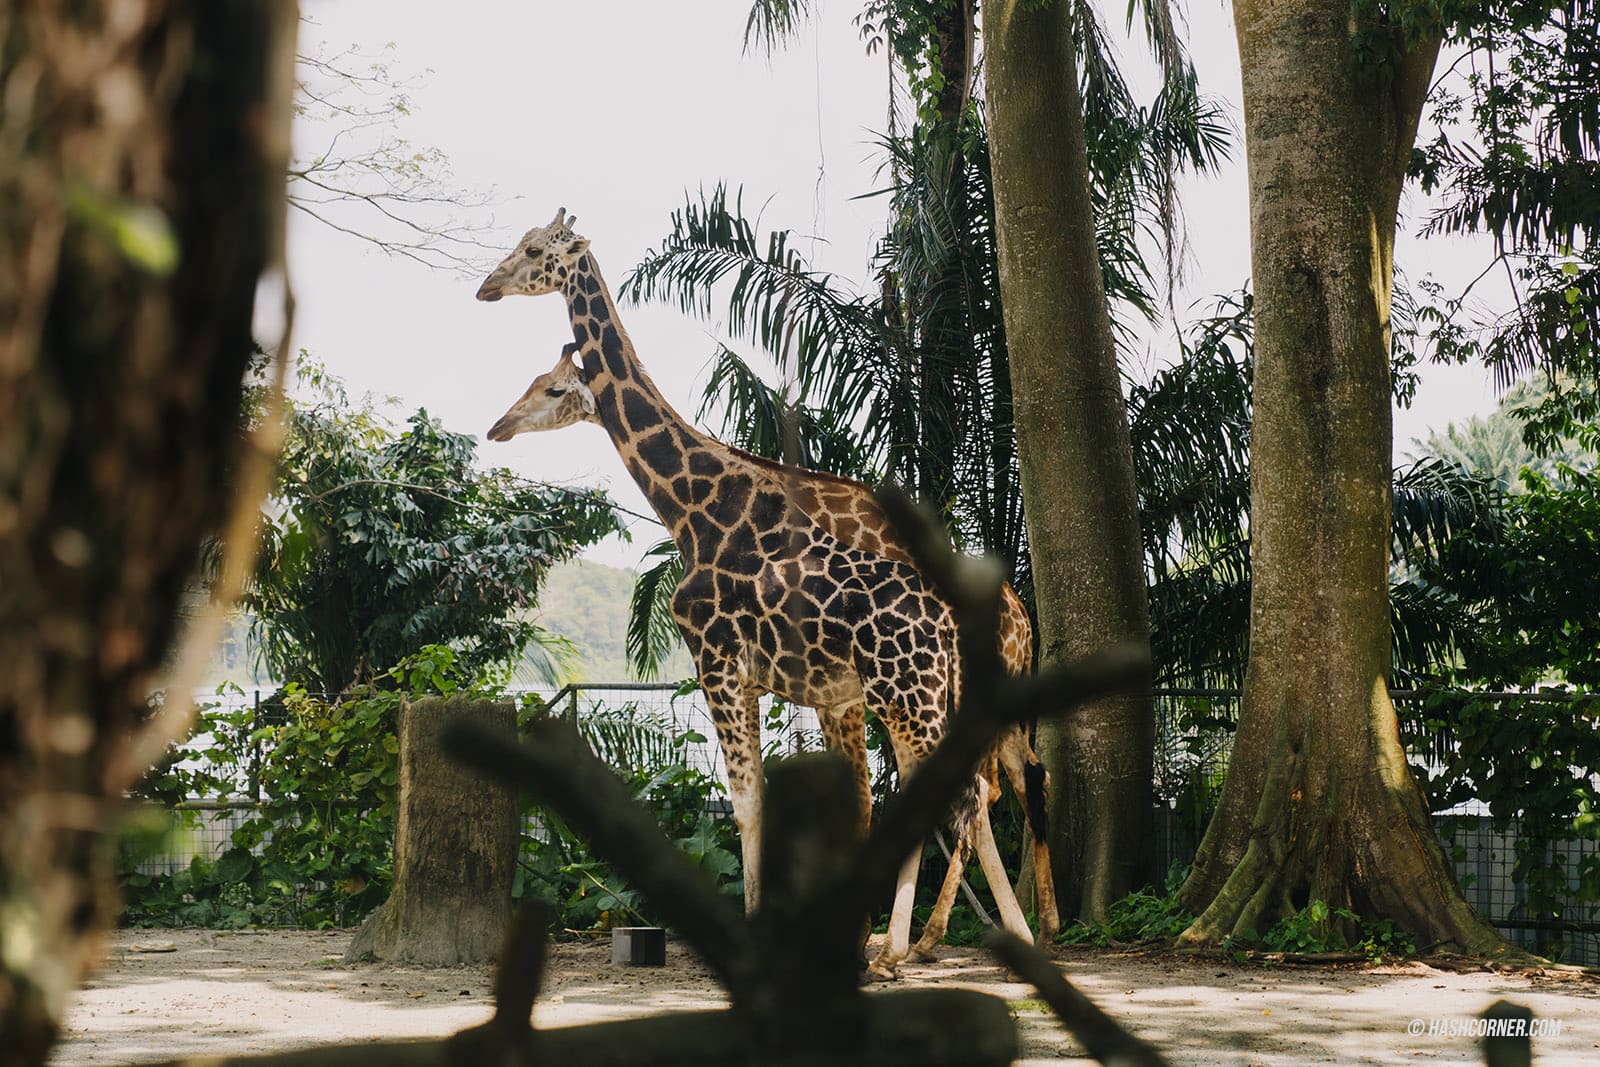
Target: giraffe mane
(757,460)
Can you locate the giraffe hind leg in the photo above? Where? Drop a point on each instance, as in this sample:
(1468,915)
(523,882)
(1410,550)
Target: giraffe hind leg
(939,920)
(1032,785)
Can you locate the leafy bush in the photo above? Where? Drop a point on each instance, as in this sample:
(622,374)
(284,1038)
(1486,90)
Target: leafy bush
(647,752)
(317,850)
(1140,916)
(383,541)
(1534,762)
(1318,928)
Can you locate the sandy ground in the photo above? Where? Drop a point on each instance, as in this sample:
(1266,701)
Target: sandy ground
(260,991)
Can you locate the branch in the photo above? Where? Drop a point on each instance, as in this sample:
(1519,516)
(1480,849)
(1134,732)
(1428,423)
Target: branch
(1101,1035)
(990,700)
(558,769)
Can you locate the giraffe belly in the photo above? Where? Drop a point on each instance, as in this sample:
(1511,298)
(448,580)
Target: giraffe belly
(833,685)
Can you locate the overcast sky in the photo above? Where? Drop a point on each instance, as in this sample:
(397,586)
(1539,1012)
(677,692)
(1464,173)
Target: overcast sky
(613,109)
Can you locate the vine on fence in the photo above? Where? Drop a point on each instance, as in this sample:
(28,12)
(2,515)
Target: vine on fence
(1532,761)
(316,851)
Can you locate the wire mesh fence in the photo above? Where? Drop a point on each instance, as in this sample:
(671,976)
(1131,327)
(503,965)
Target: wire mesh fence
(1194,733)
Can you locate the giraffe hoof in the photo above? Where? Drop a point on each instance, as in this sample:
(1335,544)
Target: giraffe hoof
(882,970)
(921,954)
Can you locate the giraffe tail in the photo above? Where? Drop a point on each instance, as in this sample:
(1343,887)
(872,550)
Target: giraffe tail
(965,813)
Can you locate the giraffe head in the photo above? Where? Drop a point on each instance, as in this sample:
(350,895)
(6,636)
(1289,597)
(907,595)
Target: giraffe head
(541,263)
(556,398)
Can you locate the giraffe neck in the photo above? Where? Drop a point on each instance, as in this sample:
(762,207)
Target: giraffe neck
(681,471)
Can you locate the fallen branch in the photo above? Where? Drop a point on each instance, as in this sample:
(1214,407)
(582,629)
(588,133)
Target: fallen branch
(1104,1039)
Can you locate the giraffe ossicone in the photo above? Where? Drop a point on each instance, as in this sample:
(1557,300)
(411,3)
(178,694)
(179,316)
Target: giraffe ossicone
(771,600)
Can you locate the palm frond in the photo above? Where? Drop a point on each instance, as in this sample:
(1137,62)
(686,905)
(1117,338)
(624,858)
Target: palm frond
(630,738)
(652,632)
(805,320)
(757,418)
(772,23)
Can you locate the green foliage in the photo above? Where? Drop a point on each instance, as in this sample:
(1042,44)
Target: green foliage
(648,754)
(1142,915)
(1526,572)
(317,851)
(1531,760)
(380,543)
(1317,928)
(652,631)
(1516,154)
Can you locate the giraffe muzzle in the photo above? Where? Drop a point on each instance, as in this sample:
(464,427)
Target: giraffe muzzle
(501,430)
(489,291)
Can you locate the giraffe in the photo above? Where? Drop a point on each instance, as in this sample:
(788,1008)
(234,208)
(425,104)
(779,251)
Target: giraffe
(849,512)
(729,627)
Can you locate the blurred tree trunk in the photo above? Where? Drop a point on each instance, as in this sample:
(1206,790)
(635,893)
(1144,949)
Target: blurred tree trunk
(142,159)
(1072,436)
(455,847)
(1319,802)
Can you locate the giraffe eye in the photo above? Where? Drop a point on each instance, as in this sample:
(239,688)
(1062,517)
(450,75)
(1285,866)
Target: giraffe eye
(532,253)
(555,392)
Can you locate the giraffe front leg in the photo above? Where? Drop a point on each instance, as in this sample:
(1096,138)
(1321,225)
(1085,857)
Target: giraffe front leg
(844,730)
(736,715)
(885,967)
(939,921)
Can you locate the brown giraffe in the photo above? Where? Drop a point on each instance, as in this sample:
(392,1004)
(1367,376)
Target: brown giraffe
(770,602)
(849,512)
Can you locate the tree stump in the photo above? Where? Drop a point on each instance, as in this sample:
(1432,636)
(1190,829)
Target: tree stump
(455,847)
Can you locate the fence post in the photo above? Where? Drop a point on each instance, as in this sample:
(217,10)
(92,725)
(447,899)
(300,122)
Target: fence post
(255,750)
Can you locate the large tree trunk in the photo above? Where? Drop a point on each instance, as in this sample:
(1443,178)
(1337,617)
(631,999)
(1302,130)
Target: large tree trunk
(455,847)
(1072,436)
(1320,803)
(142,157)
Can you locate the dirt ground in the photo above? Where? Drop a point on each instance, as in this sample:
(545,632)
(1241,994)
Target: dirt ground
(217,992)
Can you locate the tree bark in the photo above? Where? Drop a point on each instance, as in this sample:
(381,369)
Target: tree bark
(1319,802)
(1072,438)
(455,847)
(142,157)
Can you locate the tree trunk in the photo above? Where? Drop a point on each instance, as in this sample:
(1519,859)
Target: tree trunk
(142,157)
(455,847)
(1072,437)
(1319,802)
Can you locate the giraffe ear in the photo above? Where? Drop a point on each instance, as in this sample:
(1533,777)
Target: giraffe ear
(578,247)
(586,400)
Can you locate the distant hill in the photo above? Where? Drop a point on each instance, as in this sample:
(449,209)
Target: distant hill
(587,603)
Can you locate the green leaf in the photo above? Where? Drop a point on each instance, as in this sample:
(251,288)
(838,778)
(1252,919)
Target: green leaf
(139,231)
(234,865)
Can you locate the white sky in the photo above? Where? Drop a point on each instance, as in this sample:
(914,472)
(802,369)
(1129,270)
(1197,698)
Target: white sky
(612,109)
